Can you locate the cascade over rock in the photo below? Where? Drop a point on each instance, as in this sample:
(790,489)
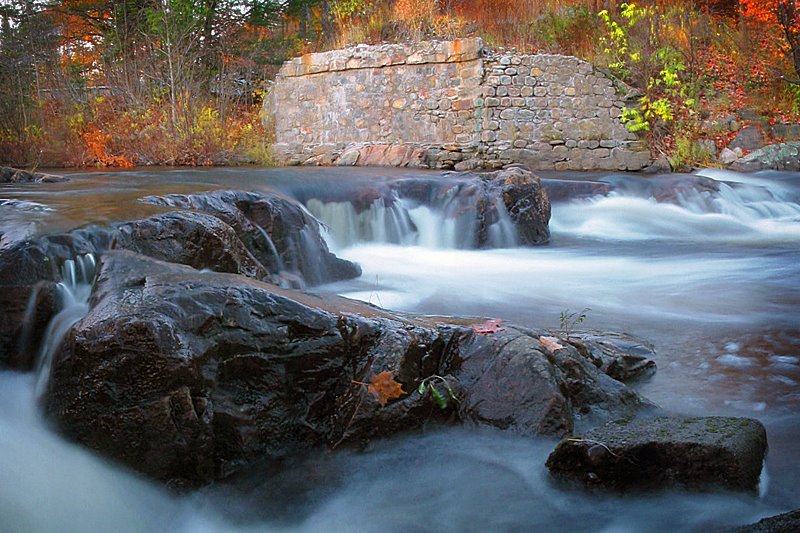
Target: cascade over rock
(278,232)
(288,249)
(189,376)
(504,208)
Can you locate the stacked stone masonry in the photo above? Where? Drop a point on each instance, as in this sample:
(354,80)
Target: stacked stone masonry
(449,104)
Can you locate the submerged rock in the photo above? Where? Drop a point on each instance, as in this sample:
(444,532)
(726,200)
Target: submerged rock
(696,453)
(13,175)
(782,523)
(190,376)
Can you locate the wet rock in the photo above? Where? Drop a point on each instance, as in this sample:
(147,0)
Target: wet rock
(515,382)
(29,271)
(695,453)
(278,232)
(190,238)
(24,314)
(191,376)
(562,190)
(13,175)
(782,523)
(660,166)
(526,202)
(623,357)
(783,156)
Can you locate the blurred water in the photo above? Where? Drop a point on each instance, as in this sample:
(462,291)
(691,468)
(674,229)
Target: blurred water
(711,277)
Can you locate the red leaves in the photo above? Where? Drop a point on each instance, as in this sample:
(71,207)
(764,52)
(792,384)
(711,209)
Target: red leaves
(489,327)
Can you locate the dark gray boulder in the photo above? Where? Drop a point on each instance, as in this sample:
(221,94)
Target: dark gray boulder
(190,376)
(692,452)
(622,356)
(526,201)
(277,231)
(190,238)
(782,523)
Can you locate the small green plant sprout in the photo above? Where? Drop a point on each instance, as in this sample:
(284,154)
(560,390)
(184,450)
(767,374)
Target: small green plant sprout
(568,320)
(441,399)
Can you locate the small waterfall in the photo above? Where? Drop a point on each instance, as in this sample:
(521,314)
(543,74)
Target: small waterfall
(452,222)
(502,233)
(378,223)
(279,265)
(74,289)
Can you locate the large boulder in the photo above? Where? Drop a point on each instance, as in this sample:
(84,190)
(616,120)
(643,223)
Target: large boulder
(278,232)
(694,452)
(189,376)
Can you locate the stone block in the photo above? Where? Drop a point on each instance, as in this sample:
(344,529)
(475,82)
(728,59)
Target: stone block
(690,452)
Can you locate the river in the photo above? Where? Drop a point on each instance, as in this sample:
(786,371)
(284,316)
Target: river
(712,278)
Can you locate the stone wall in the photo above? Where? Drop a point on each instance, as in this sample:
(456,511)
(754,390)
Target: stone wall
(449,105)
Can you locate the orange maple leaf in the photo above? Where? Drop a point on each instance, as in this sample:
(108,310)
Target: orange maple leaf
(550,343)
(488,327)
(385,388)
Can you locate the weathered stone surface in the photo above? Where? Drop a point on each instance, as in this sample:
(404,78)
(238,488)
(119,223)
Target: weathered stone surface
(783,156)
(450,105)
(749,138)
(13,175)
(786,132)
(623,357)
(278,233)
(782,523)
(190,376)
(695,453)
(727,156)
(190,238)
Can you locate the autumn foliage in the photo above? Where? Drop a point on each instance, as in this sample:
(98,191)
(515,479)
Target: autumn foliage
(180,82)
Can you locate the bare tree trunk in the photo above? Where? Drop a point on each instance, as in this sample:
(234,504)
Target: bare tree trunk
(789,17)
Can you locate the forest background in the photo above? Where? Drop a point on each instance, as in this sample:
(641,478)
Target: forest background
(121,83)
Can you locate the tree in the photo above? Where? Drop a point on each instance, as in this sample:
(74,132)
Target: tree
(785,14)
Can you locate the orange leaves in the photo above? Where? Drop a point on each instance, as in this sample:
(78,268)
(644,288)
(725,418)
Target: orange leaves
(383,387)
(550,343)
(489,327)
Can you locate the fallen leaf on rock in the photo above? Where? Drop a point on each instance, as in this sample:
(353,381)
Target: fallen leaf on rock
(551,343)
(385,388)
(488,327)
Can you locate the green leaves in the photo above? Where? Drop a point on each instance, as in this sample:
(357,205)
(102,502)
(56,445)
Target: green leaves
(442,399)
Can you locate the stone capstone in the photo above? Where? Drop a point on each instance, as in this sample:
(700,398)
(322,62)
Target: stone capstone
(693,452)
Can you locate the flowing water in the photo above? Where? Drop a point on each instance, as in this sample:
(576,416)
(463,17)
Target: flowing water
(711,275)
